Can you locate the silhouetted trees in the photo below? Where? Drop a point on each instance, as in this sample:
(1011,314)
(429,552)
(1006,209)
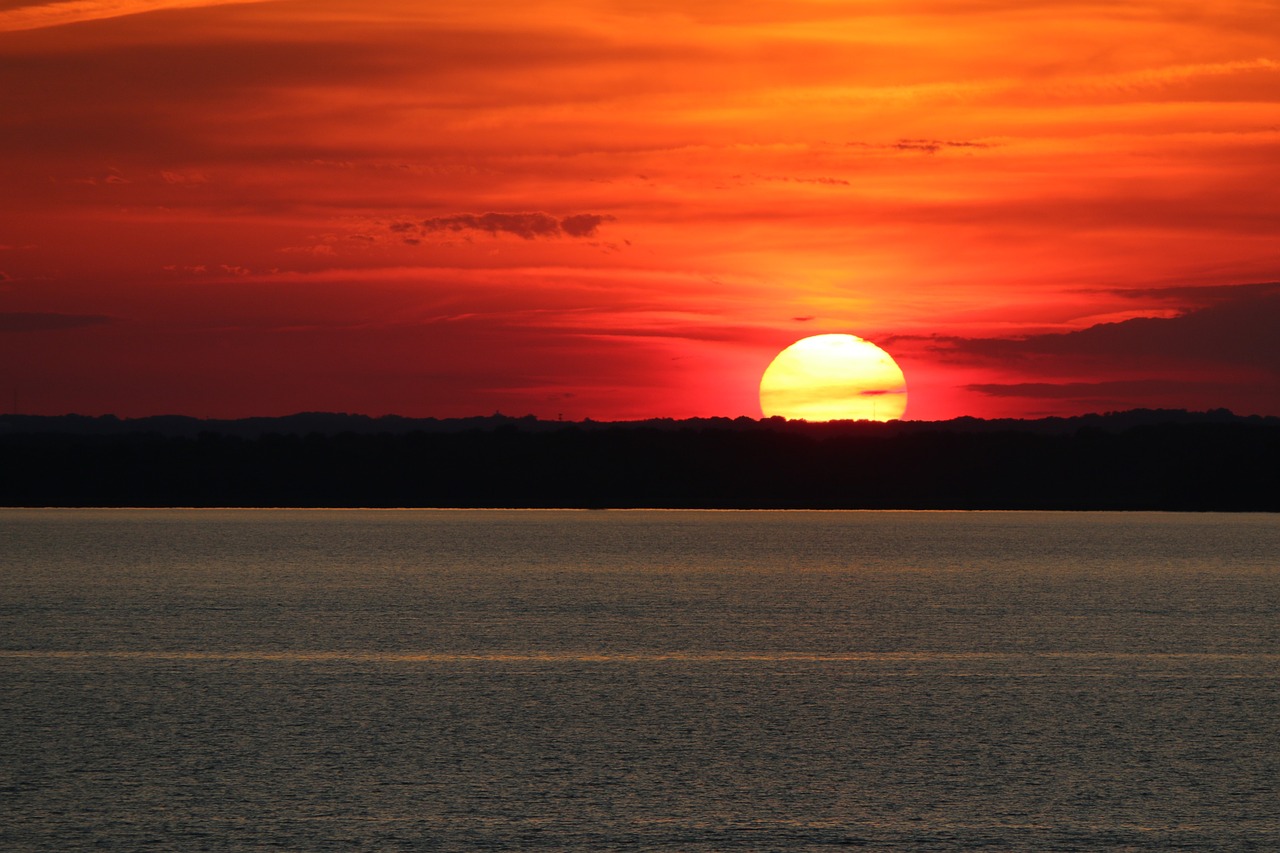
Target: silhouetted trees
(1211,461)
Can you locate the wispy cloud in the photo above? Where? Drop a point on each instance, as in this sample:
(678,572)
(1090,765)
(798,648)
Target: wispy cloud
(933,146)
(529,226)
(40,15)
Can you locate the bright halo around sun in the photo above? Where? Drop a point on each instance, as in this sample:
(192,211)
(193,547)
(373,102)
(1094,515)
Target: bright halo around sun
(833,377)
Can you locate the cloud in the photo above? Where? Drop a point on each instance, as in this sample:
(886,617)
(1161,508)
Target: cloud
(529,226)
(48,322)
(144,103)
(40,15)
(526,225)
(1239,331)
(1109,390)
(827,181)
(1203,296)
(1220,355)
(933,146)
(1244,396)
(583,224)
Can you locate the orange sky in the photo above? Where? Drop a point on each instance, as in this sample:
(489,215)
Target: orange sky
(624,209)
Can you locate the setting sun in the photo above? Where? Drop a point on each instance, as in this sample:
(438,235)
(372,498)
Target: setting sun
(833,377)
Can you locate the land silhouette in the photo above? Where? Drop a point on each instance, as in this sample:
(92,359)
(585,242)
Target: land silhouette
(1137,460)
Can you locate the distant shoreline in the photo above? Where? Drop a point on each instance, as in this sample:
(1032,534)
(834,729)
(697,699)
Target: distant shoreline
(1139,460)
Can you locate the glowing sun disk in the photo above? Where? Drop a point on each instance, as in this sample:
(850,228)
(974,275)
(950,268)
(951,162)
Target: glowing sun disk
(833,377)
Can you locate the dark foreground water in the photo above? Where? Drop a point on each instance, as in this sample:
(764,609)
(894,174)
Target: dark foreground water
(692,681)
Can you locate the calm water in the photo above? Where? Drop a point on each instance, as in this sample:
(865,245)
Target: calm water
(692,681)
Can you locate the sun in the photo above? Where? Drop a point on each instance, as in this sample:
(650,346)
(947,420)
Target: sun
(833,377)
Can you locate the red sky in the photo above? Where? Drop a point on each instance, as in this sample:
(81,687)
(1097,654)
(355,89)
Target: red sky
(624,209)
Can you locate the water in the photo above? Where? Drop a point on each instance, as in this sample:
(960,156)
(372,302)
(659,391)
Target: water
(690,681)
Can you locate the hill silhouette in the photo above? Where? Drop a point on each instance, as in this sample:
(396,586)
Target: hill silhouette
(1138,460)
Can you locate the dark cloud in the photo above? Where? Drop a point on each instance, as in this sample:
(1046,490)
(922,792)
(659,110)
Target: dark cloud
(826,181)
(1221,355)
(1201,296)
(46,322)
(158,63)
(155,97)
(526,225)
(933,146)
(1238,332)
(1114,390)
(583,224)
(148,90)
(529,226)
(1244,396)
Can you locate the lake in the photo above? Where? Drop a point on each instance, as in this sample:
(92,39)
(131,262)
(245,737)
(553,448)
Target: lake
(638,680)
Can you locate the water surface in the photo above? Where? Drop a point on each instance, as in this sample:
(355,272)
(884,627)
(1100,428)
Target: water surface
(459,680)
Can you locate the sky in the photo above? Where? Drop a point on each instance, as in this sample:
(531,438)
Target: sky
(624,209)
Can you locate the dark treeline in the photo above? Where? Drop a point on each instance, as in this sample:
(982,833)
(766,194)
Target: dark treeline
(1169,461)
(331,423)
